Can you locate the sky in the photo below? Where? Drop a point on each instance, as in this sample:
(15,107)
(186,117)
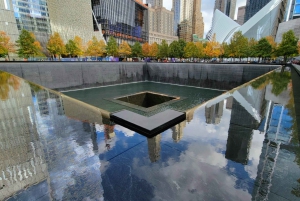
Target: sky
(207,11)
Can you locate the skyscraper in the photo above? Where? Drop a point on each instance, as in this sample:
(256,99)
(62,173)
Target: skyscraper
(226,6)
(191,20)
(158,3)
(292,10)
(241,15)
(125,20)
(253,6)
(176,10)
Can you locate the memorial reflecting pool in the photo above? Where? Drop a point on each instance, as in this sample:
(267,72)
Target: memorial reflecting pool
(241,145)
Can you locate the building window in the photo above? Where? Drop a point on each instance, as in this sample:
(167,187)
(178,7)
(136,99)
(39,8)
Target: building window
(6,4)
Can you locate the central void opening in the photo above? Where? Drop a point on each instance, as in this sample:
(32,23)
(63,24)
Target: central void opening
(147,99)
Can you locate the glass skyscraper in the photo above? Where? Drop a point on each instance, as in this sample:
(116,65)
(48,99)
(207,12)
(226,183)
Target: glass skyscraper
(176,9)
(32,15)
(253,6)
(122,19)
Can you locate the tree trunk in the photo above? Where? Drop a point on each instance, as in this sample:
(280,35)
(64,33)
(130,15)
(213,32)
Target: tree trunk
(282,68)
(8,57)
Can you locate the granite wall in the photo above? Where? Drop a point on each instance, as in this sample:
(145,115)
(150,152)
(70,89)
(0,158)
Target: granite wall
(74,75)
(217,76)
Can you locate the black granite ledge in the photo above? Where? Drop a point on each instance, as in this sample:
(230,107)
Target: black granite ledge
(148,126)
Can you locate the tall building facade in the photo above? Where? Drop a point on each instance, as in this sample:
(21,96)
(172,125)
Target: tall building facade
(253,6)
(176,10)
(31,15)
(161,23)
(125,20)
(8,22)
(70,20)
(153,3)
(191,20)
(226,6)
(241,15)
(292,10)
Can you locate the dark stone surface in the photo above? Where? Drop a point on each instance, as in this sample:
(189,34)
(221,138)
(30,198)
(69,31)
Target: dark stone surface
(146,99)
(74,75)
(148,126)
(296,82)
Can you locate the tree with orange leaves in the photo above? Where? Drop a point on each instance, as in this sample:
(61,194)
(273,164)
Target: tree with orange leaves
(213,48)
(28,45)
(153,50)
(56,45)
(146,49)
(6,46)
(124,49)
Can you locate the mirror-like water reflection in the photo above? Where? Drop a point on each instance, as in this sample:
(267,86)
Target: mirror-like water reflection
(242,145)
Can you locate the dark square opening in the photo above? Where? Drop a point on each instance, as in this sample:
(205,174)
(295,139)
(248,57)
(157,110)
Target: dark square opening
(146,99)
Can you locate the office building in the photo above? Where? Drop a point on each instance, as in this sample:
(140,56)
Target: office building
(125,20)
(286,26)
(226,6)
(241,15)
(253,6)
(176,10)
(161,23)
(292,10)
(191,20)
(72,18)
(153,3)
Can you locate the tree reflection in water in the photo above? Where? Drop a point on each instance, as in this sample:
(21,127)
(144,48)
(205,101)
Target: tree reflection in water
(6,81)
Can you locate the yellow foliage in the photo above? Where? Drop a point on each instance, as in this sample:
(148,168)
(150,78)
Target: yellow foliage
(146,49)
(272,42)
(80,46)
(213,48)
(124,49)
(95,47)
(56,45)
(153,50)
(7,81)
(5,45)
(299,47)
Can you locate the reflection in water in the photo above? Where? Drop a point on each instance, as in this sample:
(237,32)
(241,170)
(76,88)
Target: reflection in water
(7,81)
(109,134)
(214,113)
(22,162)
(154,148)
(177,131)
(45,136)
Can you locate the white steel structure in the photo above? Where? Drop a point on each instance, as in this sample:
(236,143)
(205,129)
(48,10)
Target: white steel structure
(263,23)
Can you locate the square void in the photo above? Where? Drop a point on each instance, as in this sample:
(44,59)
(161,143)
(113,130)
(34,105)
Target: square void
(147,99)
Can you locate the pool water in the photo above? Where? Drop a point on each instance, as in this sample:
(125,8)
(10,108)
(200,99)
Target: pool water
(242,145)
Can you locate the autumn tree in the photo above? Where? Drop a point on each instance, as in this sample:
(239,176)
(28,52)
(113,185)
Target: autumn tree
(136,50)
(299,47)
(124,49)
(112,47)
(225,53)
(56,45)
(263,49)
(190,50)
(273,44)
(96,48)
(200,50)
(288,45)
(27,45)
(213,48)
(146,49)
(238,45)
(153,50)
(163,49)
(6,46)
(80,47)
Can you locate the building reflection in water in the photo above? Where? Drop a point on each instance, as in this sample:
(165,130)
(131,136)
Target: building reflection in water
(177,131)
(214,113)
(109,134)
(22,162)
(154,148)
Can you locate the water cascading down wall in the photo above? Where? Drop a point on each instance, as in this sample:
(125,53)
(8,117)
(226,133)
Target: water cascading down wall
(75,75)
